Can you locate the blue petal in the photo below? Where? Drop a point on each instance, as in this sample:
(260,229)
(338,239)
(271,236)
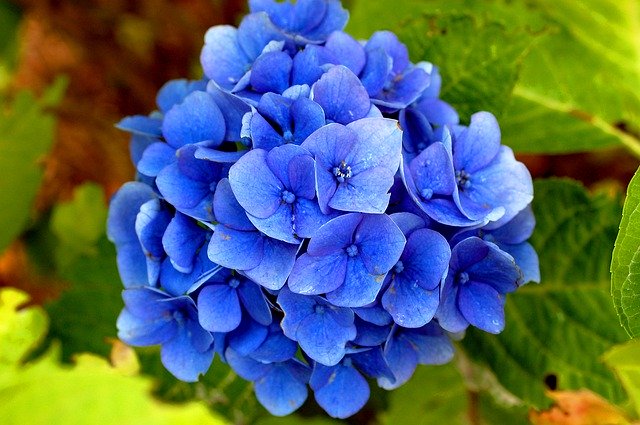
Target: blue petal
(276,348)
(246,367)
(402,359)
(296,308)
(196,119)
(222,58)
(183,360)
(318,275)
(482,306)
(380,242)
(388,41)
(366,192)
(334,236)
(374,314)
(425,258)
(375,72)
(180,190)
(370,335)
(227,210)
(174,92)
(526,258)
(497,269)
(155,157)
(235,249)
(347,51)
(341,95)
(254,185)
(214,155)
(448,314)
(323,339)
(410,305)
(219,308)
(517,230)
(254,302)
(141,332)
(276,265)
(141,125)
(279,391)
(438,112)
(408,222)
(248,336)
(271,72)
(279,160)
(379,144)
(255,32)
(432,345)
(433,170)
(263,135)
(301,176)
(335,18)
(477,145)
(233,109)
(359,288)
(279,225)
(151,223)
(372,363)
(181,240)
(345,394)
(309,218)
(307,116)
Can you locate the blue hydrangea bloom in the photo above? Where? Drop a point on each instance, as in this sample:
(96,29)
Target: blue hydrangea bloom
(313,213)
(152,317)
(348,259)
(480,275)
(356,164)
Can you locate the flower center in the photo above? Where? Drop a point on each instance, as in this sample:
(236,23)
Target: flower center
(463,179)
(426,194)
(287,136)
(288,197)
(342,172)
(319,309)
(352,250)
(399,267)
(463,278)
(233,282)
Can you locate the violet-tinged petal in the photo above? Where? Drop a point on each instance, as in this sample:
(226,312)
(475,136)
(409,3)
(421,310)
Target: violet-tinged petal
(227,210)
(276,265)
(365,192)
(335,18)
(425,258)
(482,306)
(276,348)
(388,41)
(359,288)
(341,95)
(375,72)
(196,119)
(296,308)
(432,345)
(301,176)
(380,242)
(334,236)
(233,109)
(318,275)
(405,90)
(433,173)
(151,223)
(155,157)
(279,391)
(181,190)
(408,222)
(271,72)
(141,125)
(254,302)
(517,230)
(254,185)
(214,155)
(309,218)
(174,92)
(402,359)
(278,225)
(183,360)
(379,145)
(370,335)
(374,314)
(477,145)
(279,162)
(497,269)
(438,112)
(235,249)
(255,32)
(263,135)
(219,308)
(345,393)
(526,258)
(307,116)
(372,363)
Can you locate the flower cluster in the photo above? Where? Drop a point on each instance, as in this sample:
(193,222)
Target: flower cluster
(312,213)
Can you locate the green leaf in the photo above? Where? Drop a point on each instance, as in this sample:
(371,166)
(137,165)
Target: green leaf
(84,317)
(562,326)
(437,395)
(9,21)
(478,59)
(625,265)
(579,85)
(79,223)
(625,361)
(45,392)
(26,135)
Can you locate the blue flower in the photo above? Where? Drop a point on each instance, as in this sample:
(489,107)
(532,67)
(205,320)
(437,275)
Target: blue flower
(279,120)
(151,317)
(406,348)
(281,387)
(480,274)
(225,296)
(304,21)
(356,164)
(435,110)
(340,390)
(413,294)
(238,245)
(348,259)
(321,329)
(491,184)
(277,190)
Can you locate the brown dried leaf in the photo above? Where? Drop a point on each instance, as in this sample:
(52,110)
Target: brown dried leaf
(581,407)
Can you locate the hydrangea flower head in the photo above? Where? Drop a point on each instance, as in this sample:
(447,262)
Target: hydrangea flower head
(314,214)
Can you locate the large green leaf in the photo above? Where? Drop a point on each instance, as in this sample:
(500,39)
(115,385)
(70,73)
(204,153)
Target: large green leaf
(9,21)
(579,87)
(26,135)
(562,326)
(45,392)
(625,361)
(478,59)
(625,265)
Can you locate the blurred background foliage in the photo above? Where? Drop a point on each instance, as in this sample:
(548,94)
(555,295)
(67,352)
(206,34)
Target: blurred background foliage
(562,77)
